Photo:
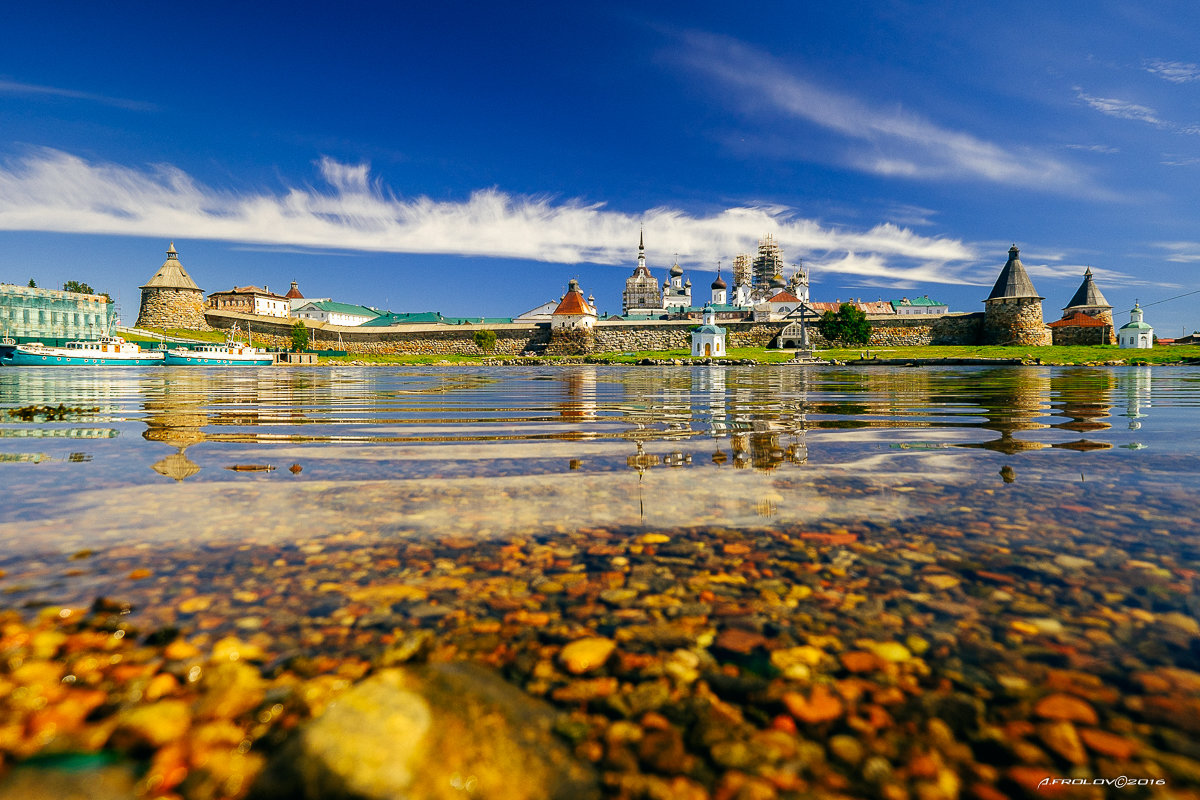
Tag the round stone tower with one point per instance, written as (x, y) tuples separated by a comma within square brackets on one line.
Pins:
[(1089, 300), (1013, 311), (171, 299)]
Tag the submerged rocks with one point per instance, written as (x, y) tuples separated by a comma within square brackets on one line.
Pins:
[(443, 731)]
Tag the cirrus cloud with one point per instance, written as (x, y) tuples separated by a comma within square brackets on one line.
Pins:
[(50, 190)]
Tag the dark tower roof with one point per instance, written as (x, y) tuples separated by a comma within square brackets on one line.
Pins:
[(718, 283), (1087, 294), (1014, 280)]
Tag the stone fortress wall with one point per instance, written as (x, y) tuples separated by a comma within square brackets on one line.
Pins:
[(1015, 321), (616, 336), (173, 308)]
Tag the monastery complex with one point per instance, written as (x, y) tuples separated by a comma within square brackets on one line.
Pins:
[(763, 303), (760, 302)]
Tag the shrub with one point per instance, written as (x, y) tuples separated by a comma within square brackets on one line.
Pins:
[(848, 325), (485, 340), (299, 336)]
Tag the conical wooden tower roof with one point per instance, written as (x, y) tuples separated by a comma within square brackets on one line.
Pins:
[(171, 275), (1014, 280), (1087, 294)]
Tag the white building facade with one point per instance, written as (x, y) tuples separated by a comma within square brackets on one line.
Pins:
[(708, 340), (1135, 334), (335, 313)]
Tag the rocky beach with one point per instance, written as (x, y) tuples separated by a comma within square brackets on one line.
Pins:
[(867, 608)]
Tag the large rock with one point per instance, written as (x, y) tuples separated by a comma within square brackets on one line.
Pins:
[(434, 733), (70, 782)]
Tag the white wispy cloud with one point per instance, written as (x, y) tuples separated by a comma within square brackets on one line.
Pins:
[(1173, 71), (1121, 109), (1094, 148), (32, 89), (50, 190), (911, 215), (883, 141), (1181, 252)]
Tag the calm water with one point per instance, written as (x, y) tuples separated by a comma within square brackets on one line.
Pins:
[(946, 550), (497, 452)]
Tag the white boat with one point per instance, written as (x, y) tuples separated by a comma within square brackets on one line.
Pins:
[(106, 351), (230, 354)]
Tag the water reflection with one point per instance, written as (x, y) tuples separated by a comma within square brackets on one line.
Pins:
[(644, 445), (176, 417)]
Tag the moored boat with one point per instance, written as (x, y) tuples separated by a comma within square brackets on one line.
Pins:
[(106, 351), (230, 354)]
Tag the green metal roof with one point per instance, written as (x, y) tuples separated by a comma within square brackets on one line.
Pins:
[(477, 320), (332, 307), (391, 318), (916, 301), (412, 318)]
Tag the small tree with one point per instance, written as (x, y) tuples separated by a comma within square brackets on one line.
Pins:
[(76, 286), (32, 283), (299, 336), (485, 340), (848, 325)]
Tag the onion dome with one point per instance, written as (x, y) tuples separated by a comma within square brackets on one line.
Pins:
[(676, 270), (718, 283)]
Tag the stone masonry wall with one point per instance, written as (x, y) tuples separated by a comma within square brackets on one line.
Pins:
[(1078, 335), (1015, 321), (511, 340), (920, 330), (606, 337), (172, 308), (571, 342)]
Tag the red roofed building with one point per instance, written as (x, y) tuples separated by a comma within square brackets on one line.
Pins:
[(251, 300), (777, 306), (1081, 328), (574, 311)]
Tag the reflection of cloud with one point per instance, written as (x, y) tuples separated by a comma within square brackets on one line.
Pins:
[(49, 190), (891, 141), (466, 507)]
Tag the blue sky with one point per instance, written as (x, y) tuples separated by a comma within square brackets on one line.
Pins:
[(471, 158)]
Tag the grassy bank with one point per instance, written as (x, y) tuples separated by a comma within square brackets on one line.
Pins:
[(1046, 355), (179, 334)]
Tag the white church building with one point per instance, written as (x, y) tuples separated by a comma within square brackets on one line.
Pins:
[(1135, 333), (708, 340)]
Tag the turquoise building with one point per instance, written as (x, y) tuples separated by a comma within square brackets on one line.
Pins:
[(53, 317)]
